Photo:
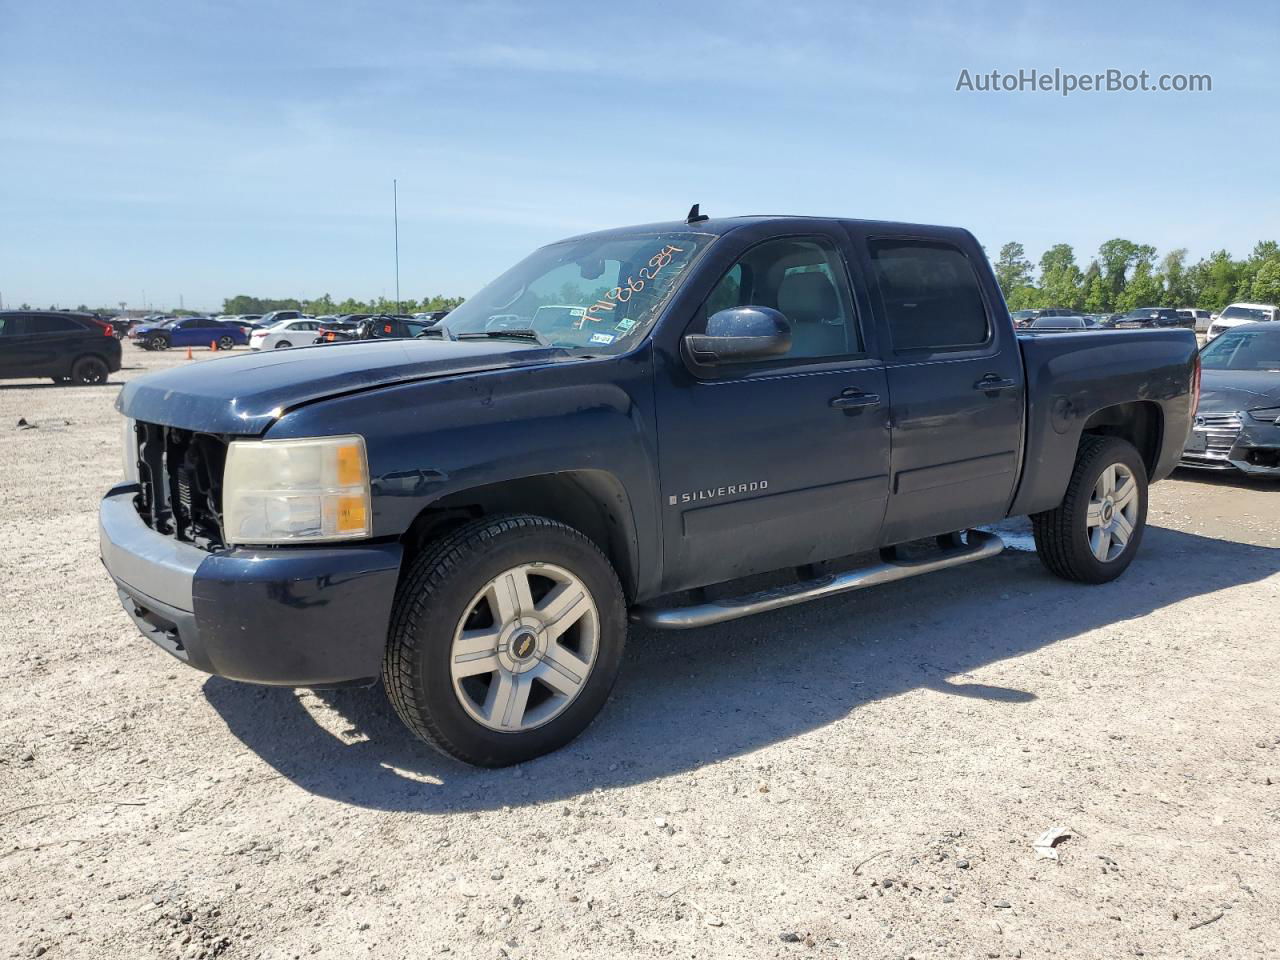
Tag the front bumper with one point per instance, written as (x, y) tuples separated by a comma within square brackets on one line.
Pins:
[(1236, 443), (296, 616)]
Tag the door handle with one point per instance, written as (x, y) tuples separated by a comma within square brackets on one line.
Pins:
[(993, 384), (854, 400)]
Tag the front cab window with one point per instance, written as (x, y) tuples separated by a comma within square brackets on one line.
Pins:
[(804, 279)]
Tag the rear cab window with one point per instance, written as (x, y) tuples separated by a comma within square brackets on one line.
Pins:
[(931, 295)]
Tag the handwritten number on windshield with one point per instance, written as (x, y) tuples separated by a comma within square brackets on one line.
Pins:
[(623, 292)]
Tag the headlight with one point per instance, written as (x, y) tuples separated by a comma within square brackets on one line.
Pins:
[(296, 491)]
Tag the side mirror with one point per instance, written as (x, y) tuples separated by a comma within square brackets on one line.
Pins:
[(740, 335)]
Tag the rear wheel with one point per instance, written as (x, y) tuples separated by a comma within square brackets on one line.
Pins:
[(226, 342), (1092, 536), (89, 371), (283, 344), (505, 640)]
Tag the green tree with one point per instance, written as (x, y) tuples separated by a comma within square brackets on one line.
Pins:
[(1218, 280), (1143, 289), (1117, 257), (1013, 269), (1178, 290), (321, 305), (1266, 283), (1097, 298), (1060, 278)]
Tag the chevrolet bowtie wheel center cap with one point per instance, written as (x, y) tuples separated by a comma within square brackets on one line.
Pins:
[(524, 645)]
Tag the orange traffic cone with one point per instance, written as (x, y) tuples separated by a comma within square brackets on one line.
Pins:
[(213, 345), (188, 353)]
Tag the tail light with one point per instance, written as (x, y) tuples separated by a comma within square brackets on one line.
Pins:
[(1195, 385), (110, 330)]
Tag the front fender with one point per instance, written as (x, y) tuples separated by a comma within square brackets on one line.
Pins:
[(436, 439)]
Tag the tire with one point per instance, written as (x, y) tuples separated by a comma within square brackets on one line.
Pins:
[(283, 344), (89, 372), (226, 343), (157, 343), (1087, 546), (448, 588)]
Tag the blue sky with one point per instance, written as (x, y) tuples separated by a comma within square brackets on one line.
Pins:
[(209, 149)]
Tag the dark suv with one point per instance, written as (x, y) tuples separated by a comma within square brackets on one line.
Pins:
[(68, 347), (1153, 317)]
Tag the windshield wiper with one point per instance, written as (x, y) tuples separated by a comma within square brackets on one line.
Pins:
[(533, 335)]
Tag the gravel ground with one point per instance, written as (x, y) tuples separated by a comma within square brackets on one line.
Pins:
[(859, 777)]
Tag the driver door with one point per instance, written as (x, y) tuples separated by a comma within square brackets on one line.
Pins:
[(781, 462)]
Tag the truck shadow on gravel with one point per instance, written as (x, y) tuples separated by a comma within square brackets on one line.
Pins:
[(685, 700)]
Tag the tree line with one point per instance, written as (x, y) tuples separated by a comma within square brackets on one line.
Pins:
[(1125, 275), (323, 305)]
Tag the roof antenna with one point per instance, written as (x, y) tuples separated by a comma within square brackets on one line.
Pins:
[(695, 216)]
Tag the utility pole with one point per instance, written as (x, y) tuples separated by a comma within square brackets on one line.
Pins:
[(395, 215)]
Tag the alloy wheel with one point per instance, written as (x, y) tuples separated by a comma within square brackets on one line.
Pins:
[(1113, 512), (524, 647)]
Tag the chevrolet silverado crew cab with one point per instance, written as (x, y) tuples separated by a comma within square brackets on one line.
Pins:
[(778, 408)]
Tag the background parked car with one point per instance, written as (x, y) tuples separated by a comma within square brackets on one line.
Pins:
[(285, 334), (1077, 322), (336, 331), (275, 316), (375, 328), (1025, 318), (69, 347), (393, 328), (1237, 422), (189, 332), (433, 316), (1239, 313), (1200, 319), (1152, 317)]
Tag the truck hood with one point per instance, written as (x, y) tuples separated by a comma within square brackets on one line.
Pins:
[(245, 394), (1225, 391)]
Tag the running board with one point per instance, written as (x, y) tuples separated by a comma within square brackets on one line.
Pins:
[(980, 545)]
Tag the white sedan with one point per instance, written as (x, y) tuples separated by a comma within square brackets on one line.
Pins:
[(286, 333)]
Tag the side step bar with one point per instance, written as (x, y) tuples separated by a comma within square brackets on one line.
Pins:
[(980, 545)]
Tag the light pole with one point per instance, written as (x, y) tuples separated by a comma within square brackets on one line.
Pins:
[(395, 216)]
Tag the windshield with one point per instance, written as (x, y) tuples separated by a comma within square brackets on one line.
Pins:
[(600, 294), (1243, 350), (1243, 313)]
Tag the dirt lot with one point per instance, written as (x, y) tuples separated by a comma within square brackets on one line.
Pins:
[(860, 777)]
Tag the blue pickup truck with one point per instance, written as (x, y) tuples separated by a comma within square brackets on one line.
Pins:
[(775, 408)]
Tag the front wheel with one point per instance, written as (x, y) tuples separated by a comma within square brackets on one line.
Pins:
[(505, 640), (157, 343), (1092, 536)]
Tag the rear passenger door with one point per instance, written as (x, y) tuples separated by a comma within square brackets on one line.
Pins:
[(956, 383)]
